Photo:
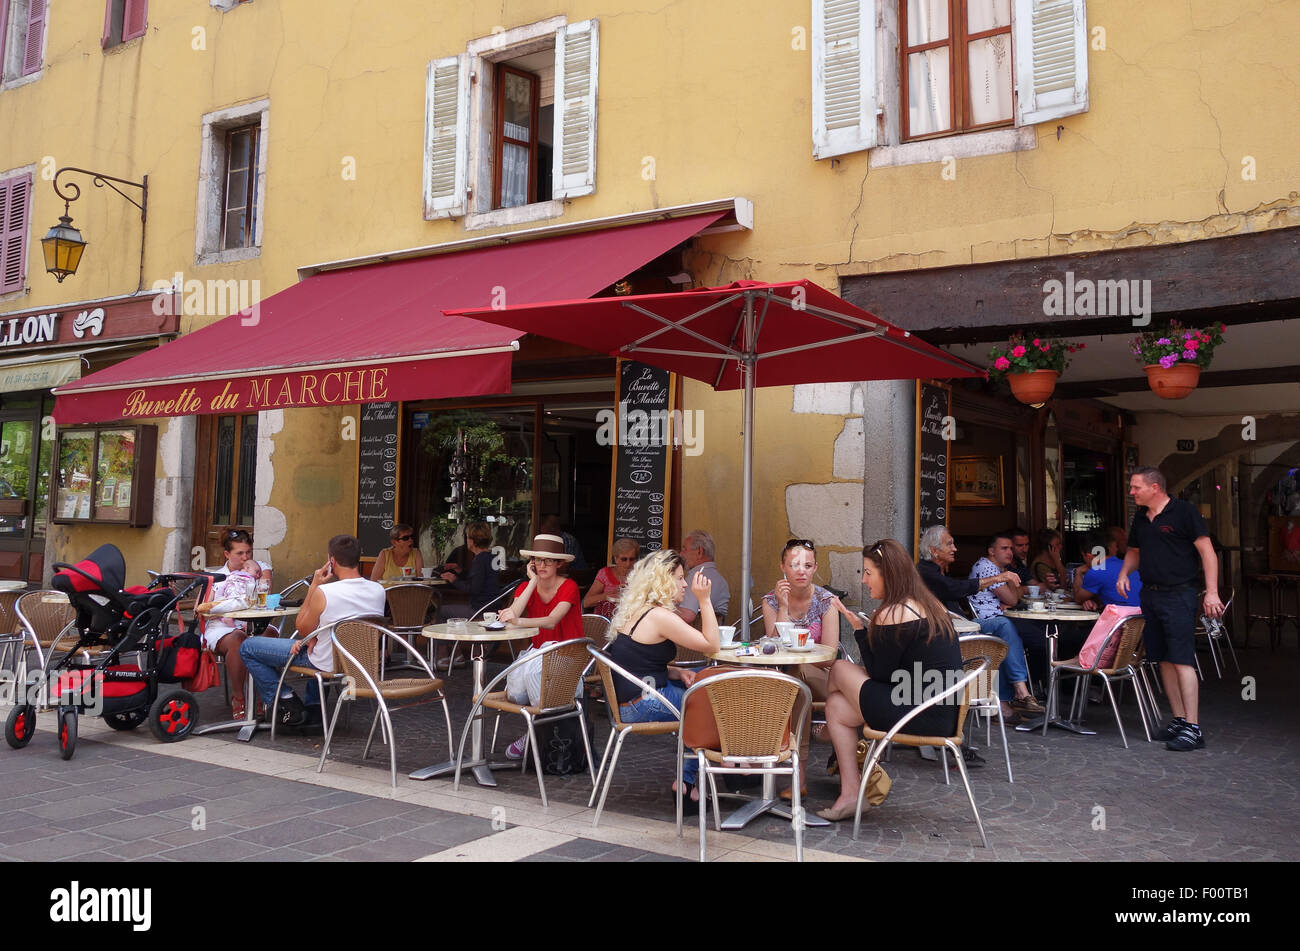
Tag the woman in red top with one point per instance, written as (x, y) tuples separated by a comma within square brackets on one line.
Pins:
[(550, 603)]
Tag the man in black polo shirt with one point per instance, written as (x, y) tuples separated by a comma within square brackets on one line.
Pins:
[(1172, 542)]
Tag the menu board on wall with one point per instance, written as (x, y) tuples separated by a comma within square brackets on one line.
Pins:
[(377, 475), (933, 413), (643, 440)]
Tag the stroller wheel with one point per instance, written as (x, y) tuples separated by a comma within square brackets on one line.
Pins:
[(173, 716), (126, 721), (67, 733), (21, 726)]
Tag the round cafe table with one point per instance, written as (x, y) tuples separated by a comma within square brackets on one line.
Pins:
[(965, 626), (258, 619), (768, 801), (1050, 619), (477, 637)]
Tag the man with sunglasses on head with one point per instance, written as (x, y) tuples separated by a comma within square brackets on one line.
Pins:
[(697, 552)]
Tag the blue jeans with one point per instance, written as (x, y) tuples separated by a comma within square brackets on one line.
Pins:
[(1013, 669), (265, 657), (648, 709)]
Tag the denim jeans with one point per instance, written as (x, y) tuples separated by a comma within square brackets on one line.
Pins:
[(265, 657), (648, 709), (1013, 669)]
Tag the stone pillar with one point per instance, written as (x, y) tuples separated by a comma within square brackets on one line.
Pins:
[(173, 505)]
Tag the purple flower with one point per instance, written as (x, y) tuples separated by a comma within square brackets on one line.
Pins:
[(1163, 341), (1189, 354), (1168, 361)]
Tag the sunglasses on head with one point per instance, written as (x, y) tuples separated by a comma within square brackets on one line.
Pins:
[(239, 535), (800, 543)]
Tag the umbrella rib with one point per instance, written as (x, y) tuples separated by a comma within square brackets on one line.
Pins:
[(678, 324), (731, 343), (817, 344), (843, 319)]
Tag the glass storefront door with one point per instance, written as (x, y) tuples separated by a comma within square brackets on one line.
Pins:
[(24, 485)]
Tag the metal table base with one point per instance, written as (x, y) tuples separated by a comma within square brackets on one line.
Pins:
[(768, 802), (477, 765)]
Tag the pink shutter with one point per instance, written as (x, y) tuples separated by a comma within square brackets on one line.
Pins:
[(108, 24), (35, 37), (14, 200), (134, 19), (4, 32)]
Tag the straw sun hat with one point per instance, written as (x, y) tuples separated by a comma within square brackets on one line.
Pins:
[(547, 546)]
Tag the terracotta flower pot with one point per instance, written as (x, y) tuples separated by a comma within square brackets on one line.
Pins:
[(1174, 383), (1033, 387)]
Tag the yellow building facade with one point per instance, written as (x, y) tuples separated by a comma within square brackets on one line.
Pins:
[(1187, 135)]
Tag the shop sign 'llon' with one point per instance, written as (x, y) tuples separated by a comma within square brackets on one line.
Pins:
[(44, 328)]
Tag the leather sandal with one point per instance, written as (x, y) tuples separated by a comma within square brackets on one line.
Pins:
[(238, 708), (788, 794)]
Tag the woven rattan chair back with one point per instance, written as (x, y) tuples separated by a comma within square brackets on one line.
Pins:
[(983, 645), (8, 616), (971, 693), (408, 604), (561, 670), (752, 714), (47, 613), (361, 639), (1130, 642), (595, 628), (609, 682), (687, 656)]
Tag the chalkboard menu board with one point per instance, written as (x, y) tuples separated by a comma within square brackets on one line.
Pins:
[(639, 491), (932, 432), (377, 475)]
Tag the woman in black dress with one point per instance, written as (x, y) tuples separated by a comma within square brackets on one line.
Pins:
[(910, 637)]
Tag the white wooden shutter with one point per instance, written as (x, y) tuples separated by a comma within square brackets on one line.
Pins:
[(844, 76), (446, 137), (576, 66), (1050, 38)]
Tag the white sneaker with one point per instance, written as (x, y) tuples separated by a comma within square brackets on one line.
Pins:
[(516, 749)]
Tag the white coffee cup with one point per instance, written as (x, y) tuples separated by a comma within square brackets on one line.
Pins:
[(1035, 590), (798, 634), (785, 630), (727, 633), (1037, 606), (489, 617)]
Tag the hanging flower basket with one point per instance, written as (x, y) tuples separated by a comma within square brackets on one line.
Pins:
[(1031, 365), (1173, 357), (1033, 387), (1174, 382)]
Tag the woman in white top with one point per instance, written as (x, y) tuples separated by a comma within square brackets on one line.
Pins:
[(236, 592)]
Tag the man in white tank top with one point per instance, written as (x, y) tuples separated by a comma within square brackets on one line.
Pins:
[(327, 602)]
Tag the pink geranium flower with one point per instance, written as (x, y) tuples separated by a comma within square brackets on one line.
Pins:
[(1018, 351), (1001, 363)]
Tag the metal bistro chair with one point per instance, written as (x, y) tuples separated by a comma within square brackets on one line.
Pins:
[(607, 672), (595, 628), (1216, 634), (758, 734), (563, 663), (983, 695), (323, 678), (1125, 666), (12, 638), (359, 649), (975, 667), (47, 617), (408, 605)]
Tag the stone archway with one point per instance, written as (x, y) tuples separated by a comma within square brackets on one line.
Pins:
[(1269, 430)]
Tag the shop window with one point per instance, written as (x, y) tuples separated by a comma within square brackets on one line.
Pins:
[(232, 179), (124, 20), (887, 72), (22, 38), (15, 210), (105, 474), (234, 473), (511, 124)]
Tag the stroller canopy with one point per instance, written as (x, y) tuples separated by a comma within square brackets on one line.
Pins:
[(105, 565)]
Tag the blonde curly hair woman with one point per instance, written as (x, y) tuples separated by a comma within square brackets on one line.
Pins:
[(644, 635)]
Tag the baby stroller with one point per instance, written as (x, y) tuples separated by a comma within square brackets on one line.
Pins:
[(117, 621)]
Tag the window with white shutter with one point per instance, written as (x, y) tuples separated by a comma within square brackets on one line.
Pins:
[(511, 124), (1051, 49), (15, 212), (844, 76)]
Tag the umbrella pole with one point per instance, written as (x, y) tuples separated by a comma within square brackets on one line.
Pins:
[(747, 470)]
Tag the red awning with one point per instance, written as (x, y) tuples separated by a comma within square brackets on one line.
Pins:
[(369, 334)]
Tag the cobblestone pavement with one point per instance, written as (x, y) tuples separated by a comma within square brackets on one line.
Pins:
[(1074, 797)]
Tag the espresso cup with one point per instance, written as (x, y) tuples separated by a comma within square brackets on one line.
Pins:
[(489, 617), (1037, 606), (799, 637), (727, 633), (786, 631)]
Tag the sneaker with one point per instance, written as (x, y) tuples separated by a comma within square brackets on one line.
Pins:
[(1188, 737), (516, 749), (972, 757), (1027, 706), (290, 712), (1171, 729)]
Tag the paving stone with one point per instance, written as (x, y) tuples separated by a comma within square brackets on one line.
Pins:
[(219, 849), (52, 848), (287, 832), (141, 827)]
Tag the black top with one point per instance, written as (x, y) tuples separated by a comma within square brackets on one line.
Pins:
[(649, 662), (898, 654), (1022, 569), (1168, 544), (481, 583), (950, 591)]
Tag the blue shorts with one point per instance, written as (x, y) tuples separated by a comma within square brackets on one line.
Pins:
[(1170, 633)]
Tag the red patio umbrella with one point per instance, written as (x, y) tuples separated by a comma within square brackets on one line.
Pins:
[(743, 335)]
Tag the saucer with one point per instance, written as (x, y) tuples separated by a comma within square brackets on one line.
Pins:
[(729, 647), (498, 626), (810, 646)]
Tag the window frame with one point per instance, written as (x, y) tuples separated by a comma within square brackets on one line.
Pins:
[(116, 18), (957, 43), (22, 73), (210, 225), (253, 130), (499, 138)]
